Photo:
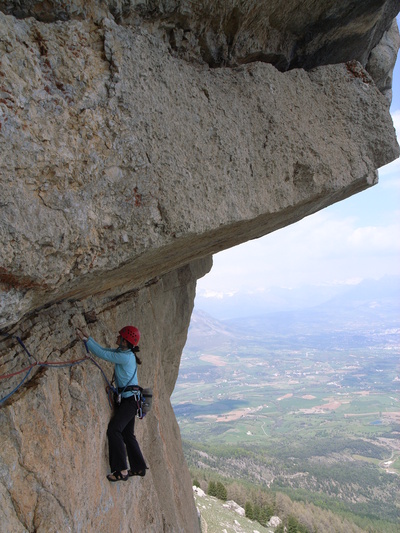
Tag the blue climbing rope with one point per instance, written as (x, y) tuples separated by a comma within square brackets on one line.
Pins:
[(5, 398)]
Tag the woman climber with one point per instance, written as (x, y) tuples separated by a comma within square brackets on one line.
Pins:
[(120, 431)]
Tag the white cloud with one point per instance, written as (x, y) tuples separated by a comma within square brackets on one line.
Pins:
[(375, 240), (216, 295), (321, 249)]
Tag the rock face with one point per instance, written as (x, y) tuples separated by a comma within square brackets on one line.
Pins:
[(137, 139), (53, 432)]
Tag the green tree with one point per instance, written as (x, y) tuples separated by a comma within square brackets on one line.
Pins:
[(196, 483), (269, 511), (212, 489), (292, 525), (264, 515), (256, 512), (248, 510), (221, 491)]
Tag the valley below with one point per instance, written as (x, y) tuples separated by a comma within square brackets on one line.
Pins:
[(304, 402)]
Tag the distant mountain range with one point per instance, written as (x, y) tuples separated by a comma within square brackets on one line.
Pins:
[(278, 299), (364, 314)]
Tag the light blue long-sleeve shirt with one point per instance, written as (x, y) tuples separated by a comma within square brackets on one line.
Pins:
[(124, 364)]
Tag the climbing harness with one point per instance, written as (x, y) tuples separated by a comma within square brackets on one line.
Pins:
[(143, 397)]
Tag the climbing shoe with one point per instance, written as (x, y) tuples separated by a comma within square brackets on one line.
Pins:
[(117, 476), (140, 473)]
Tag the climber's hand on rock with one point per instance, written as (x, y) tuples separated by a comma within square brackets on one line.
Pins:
[(82, 335)]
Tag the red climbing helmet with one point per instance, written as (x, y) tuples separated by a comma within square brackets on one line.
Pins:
[(130, 334)]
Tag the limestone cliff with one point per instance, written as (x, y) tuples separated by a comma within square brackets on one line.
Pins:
[(137, 139)]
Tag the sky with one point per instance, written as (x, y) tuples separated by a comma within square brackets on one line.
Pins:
[(356, 239)]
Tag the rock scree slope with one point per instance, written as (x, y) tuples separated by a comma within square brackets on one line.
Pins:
[(137, 139)]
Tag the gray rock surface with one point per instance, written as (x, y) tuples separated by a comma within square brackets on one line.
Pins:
[(137, 139), (121, 162)]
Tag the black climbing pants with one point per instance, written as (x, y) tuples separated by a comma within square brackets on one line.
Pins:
[(121, 438)]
